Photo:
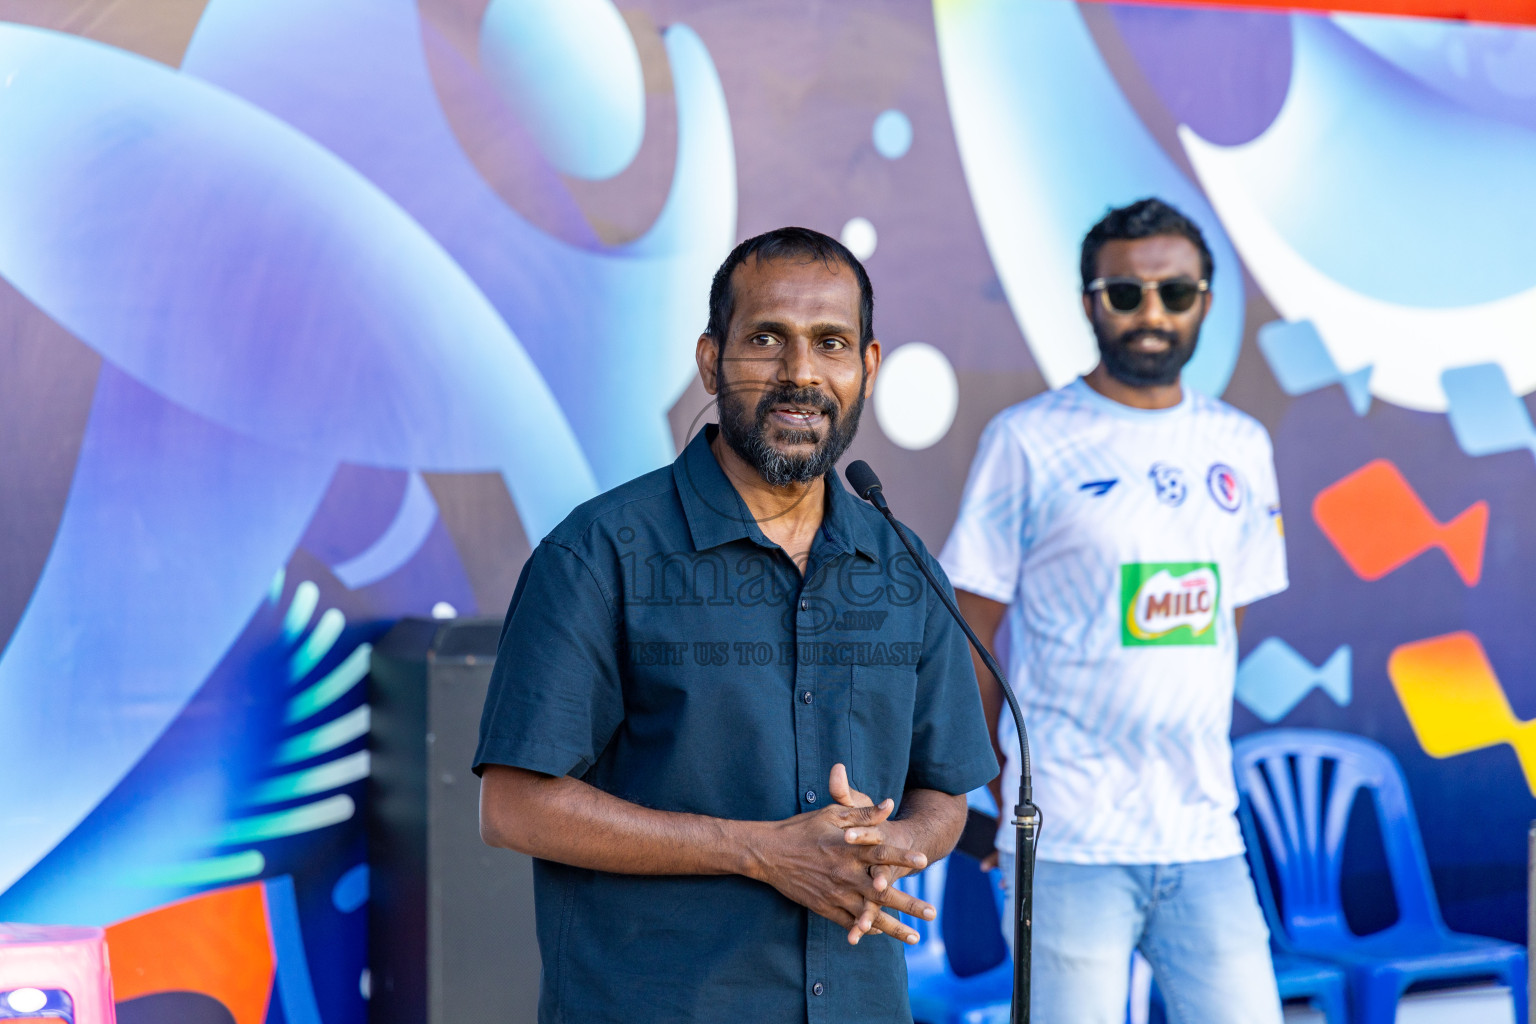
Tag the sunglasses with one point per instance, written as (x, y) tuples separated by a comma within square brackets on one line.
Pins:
[(1125, 294)]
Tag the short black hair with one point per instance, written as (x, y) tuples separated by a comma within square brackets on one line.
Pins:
[(1145, 218), (803, 245)]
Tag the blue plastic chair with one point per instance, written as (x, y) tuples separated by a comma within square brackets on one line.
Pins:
[(1303, 811), (960, 964), (1298, 977)]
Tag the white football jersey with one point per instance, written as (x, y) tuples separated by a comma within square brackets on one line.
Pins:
[(1122, 539)]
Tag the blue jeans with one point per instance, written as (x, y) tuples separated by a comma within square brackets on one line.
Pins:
[(1198, 924)]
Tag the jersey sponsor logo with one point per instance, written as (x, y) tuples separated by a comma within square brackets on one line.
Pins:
[(1224, 487), (1169, 603), (1099, 488), (1169, 482), (1274, 513)]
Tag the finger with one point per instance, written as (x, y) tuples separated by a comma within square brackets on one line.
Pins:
[(895, 899), (990, 862), (865, 835), (843, 792), (895, 929), (885, 853), (864, 922), (883, 876), (837, 785), (848, 817)]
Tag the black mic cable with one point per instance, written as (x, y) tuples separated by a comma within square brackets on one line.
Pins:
[(1026, 816)]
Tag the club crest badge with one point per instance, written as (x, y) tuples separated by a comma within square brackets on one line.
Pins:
[(1169, 482), (1226, 490)]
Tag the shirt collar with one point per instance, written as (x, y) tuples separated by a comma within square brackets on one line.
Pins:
[(717, 515)]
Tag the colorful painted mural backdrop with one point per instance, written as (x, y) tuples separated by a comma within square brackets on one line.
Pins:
[(314, 312)]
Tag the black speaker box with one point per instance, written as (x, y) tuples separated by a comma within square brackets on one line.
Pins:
[(450, 930)]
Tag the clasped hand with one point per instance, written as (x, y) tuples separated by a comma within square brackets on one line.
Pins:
[(842, 861)]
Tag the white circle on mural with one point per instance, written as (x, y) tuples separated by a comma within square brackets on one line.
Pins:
[(860, 238), (916, 396)]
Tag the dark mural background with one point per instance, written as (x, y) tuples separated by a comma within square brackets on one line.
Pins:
[(313, 314)]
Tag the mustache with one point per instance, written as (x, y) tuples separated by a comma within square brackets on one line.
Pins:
[(811, 398)]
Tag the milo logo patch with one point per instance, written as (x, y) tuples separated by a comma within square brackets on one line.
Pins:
[(1168, 603)]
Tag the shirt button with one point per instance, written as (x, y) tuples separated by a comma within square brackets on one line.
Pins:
[(802, 605), (818, 988), (806, 696), (810, 796)]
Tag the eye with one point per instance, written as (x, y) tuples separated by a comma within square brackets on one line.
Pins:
[(833, 344), (762, 339)]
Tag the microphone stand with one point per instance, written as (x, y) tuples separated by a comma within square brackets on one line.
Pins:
[(1026, 816)]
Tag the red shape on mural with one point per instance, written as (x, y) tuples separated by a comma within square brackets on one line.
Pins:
[(1515, 12), (215, 943), (1377, 522)]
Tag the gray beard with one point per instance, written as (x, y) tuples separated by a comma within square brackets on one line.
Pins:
[(749, 439)]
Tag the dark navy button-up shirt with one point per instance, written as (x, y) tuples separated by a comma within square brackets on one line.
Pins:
[(661, 648)]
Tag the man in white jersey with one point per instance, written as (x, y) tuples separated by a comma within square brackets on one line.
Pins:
[(1116, 528)]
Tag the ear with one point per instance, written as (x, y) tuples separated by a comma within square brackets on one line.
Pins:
[(871, 366), (707, 354), (1088, 306)]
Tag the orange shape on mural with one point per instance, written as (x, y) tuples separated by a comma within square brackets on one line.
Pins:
[(216, 943), (1377, 522), (1455, 702)]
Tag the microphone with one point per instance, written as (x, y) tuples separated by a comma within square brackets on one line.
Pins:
[(1026, 816)]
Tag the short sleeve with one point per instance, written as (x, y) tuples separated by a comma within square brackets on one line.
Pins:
[(985, 550), (951, 745), (1259, 566), (556, 694)]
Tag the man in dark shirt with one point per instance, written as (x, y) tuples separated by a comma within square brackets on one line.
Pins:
[(704, 671)]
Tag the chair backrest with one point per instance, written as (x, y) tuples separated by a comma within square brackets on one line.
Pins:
[(1299, 785), (971, 923), (928, 886)]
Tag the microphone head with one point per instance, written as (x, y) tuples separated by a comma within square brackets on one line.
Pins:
[(862, 479)]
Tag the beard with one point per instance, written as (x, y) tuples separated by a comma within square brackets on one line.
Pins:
[(1145, 369), (746, 431)]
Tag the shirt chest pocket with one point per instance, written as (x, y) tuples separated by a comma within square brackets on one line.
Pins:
[(881, 703)]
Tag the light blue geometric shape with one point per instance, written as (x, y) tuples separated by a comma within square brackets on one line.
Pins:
[(1487, 68), (1374, 143), (306, 598), (285, 296), (295, 989), (317, 645), (336, 684), (570, 70), (892, 134), (163, 554), (1049, 143), (1301, 362), (1486, 416), (353, 75), (1357, 387), (1273, 679), (351, 889), (401, 540)]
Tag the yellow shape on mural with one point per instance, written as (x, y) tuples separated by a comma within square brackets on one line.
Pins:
[(1455, 702)]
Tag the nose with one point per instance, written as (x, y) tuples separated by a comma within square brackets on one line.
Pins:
[(798, 366), (1152, 312)]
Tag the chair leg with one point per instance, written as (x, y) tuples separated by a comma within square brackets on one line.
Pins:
[(1375, 996), (1515, 976)]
